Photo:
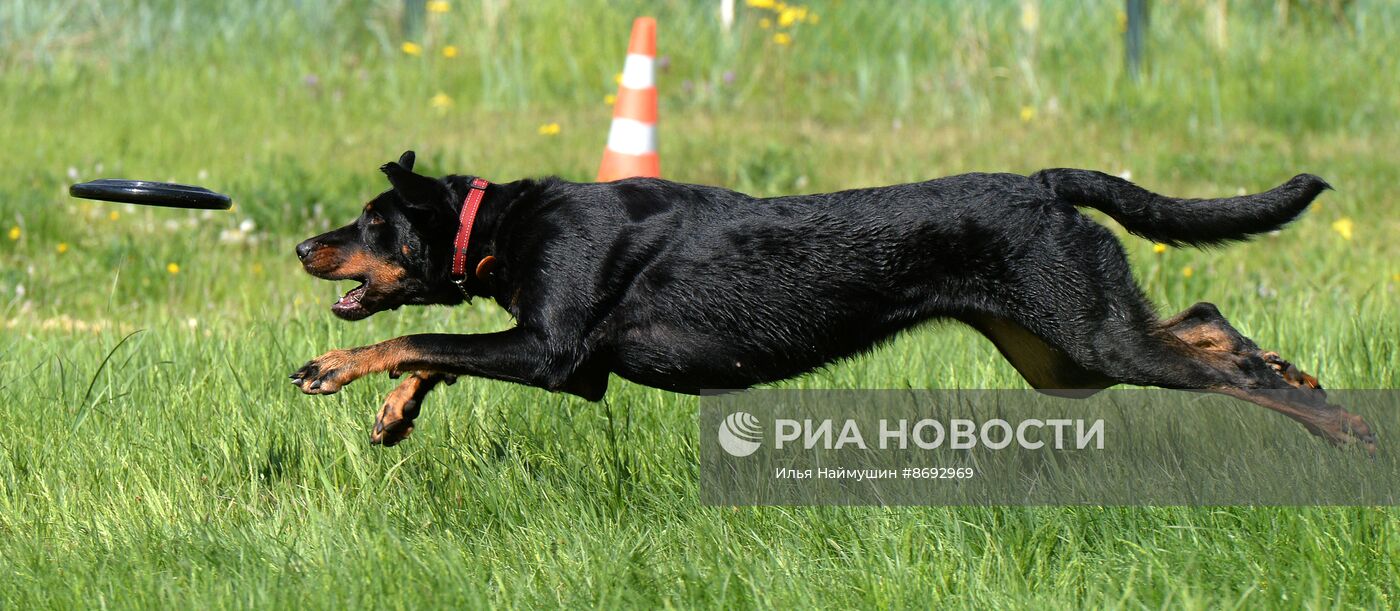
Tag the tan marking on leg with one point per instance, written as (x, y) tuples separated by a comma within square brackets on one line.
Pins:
[(1228, 346), (329, 372), (394, 422), (1216, 343)]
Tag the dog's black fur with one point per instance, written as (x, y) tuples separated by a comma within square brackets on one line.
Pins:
[(687, 287)]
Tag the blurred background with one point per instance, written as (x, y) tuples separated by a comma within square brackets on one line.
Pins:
[(177, 468), (290, 107)]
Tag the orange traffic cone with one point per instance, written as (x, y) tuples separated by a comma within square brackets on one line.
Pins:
[(631, 147)]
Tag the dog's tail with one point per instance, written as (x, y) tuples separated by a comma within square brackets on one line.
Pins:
[(1174, 221)]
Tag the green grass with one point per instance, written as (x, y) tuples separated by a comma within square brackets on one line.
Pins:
[(180, 469)]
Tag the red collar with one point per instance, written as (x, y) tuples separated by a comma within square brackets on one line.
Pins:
[(464, 231)]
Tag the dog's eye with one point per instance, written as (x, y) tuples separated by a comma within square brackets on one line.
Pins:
[(375, 219)]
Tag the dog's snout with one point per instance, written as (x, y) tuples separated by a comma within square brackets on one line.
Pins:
[(304, 249)]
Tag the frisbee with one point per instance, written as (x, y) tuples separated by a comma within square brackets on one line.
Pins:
[(146, 193)]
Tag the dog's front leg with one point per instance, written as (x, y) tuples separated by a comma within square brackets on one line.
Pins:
[(394, 422), (327, 373), (517, 355)]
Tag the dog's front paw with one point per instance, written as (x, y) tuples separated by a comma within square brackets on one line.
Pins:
[(326, 374), (394, 422)]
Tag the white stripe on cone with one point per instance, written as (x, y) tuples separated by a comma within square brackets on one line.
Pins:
[(631, 137), (638, 72)]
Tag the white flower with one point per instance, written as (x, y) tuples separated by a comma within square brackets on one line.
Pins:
[(72, 173), (19, 290), (1126, 174), (247, 226)]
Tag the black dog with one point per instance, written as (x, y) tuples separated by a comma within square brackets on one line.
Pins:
[(687, 288)]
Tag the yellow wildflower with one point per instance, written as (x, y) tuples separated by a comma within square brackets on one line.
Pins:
[(449, 51), (441, 101), (760, 3), (1027, 113), (113, 215), (1343, 227), (1159, 248), (439, 6), (172, 267), (14, 233), (549, 129), (257, 268), (62, 247), (610, 99), (765, 23), (412, 48), (1187, 272), (1030, 16), (1122, 21), (787, 17), (617, 78), (782, 38), (1395, 277)]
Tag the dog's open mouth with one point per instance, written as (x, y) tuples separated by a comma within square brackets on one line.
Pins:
[(349, 306)]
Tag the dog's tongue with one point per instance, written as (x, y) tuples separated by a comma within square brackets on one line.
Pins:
[(348, 306)]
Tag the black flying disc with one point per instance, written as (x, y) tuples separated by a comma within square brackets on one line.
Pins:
[(148, 193)]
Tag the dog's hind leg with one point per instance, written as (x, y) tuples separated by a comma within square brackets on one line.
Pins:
[(1084, 304), (1199, 349), (394, 422), (1203, 326)]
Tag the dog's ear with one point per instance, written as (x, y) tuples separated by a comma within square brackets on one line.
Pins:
[(415, 189)]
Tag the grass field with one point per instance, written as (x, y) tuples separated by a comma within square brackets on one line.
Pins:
[(153, 453)]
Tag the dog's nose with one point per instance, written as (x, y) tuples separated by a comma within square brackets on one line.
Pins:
[(304, 249)]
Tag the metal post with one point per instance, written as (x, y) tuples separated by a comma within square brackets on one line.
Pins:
[(1134, 36), (414, 14)]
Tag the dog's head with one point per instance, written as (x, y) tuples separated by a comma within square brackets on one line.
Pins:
[(399, 249)]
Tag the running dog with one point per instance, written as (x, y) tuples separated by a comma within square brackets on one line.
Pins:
[(690, 288)]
